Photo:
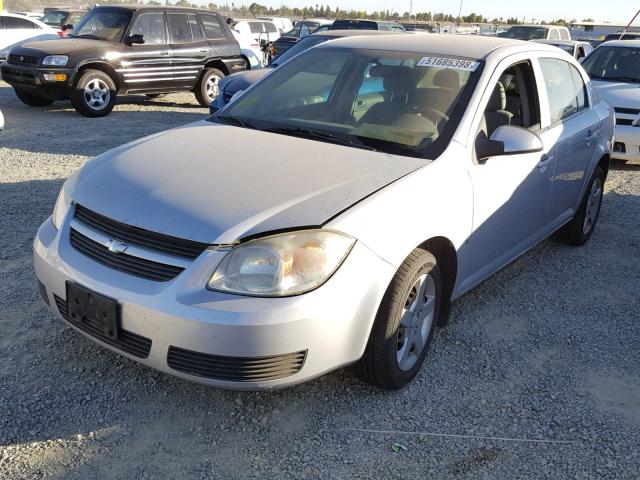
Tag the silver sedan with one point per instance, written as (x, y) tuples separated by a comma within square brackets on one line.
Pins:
[(331, 214)]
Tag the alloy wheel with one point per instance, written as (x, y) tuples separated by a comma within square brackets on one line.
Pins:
[(97, 94)]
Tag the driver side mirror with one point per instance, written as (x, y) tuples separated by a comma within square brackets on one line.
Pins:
[(134, 39), (508, 140)]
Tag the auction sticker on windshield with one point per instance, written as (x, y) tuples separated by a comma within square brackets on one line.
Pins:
[(444, 62)]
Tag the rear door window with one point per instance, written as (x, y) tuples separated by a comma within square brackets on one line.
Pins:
[(184, 28), (255, 27), (270, 27), (553, 34), (13, 23), (212, 27), (564, 97)]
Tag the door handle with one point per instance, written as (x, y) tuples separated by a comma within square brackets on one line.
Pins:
[(204, 50), (545, 160), (590, 136), (164, 53)]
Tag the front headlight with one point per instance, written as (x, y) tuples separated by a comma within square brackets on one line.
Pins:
[(282, 265), (55, 60), (62, 203)]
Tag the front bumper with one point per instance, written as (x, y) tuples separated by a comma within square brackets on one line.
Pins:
[(629, 136), (330, 325), (32, 79)]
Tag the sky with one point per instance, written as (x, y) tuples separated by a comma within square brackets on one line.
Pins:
[(611, 10)]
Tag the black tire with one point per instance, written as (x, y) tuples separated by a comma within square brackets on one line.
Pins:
[(578, 231), (379, 365), (153, 96), (33, 100), (203, 94), (88, 105)]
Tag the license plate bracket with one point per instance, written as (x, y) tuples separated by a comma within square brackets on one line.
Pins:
[(92, 309)]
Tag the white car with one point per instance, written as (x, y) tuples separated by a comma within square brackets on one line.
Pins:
[(614, 68), (250, 51), (282, 24), (15, 28), (578, 50), (254, 32), (329, 215), (537, 32)]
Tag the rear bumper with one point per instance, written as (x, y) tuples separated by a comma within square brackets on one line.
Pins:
[(32, 79), (627, 136)]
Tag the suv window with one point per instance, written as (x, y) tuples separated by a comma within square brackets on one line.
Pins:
[(255, 27), (212, 28), (270, 27), (565, 97), (104, 23), (553, 34), (184, 28), (152, 27), (564, 34), (15, 23)]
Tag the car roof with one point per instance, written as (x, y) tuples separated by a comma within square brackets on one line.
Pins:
[(351, 33), (155, 7), (623, 43), (437, 44)]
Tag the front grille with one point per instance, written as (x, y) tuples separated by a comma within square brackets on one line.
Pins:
[(123, 262), (128, 342), (235, 369), (628, 111), (43, 292), (624, 121), (138, 236), (23, 59), (14, 75)]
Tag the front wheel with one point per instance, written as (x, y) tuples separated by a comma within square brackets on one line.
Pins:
[(32, 100), (404, 324), (580, 228), (209, 87), (95, 94)]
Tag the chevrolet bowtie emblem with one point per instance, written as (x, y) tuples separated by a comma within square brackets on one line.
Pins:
[(116, 246), (21, 59)]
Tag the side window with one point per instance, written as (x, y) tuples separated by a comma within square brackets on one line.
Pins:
[(270, 27), (561, 90), (305, 31), (553, 34), (255, 27), (180, 28), (152, 28), (212, 28), (16, 23), (581, 89), (196, 31), (564, 34)]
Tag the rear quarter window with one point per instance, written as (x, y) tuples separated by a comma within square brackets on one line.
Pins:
[(212, 28)]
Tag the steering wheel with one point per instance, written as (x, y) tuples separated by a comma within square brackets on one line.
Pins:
[(436, 116)]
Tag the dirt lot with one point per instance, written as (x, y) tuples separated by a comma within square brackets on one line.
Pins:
[(537, 376)]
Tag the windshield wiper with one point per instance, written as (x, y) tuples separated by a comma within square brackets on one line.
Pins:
[(322, 136), (88, 35), (622, 79), (230, 119)]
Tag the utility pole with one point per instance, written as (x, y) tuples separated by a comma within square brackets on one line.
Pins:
[(460, 11), (410, 8)]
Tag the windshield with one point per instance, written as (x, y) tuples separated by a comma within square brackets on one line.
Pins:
[(525, 33), (300, 47), (104, 24), (353, 25), (397, 102), (620, 64)]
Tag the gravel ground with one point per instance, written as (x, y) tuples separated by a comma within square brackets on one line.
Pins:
[(537, 375)]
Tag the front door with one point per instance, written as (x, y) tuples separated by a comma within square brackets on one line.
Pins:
[(147, 66), (189, 46), (511, 192)]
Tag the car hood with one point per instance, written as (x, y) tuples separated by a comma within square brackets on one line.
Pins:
[(61, 46), (619, 94), (217, 184)]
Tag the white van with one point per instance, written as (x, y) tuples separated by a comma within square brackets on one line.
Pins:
[(281, 23), (253, 32)]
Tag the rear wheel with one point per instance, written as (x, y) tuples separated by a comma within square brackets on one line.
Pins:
[(33, 100), (580, 228), (94, 94), (404, 324), (209, 87)]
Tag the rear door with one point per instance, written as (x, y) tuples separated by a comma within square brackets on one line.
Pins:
[(189, 46), (573, 125), (147, 66)]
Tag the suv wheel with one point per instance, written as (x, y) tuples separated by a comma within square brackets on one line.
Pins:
[(33, 100), (209, 87), (94, 94)]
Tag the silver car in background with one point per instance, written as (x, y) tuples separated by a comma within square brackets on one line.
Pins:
[(331, 214)]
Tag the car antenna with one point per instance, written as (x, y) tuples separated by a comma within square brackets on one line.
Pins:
[(627, 27)]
